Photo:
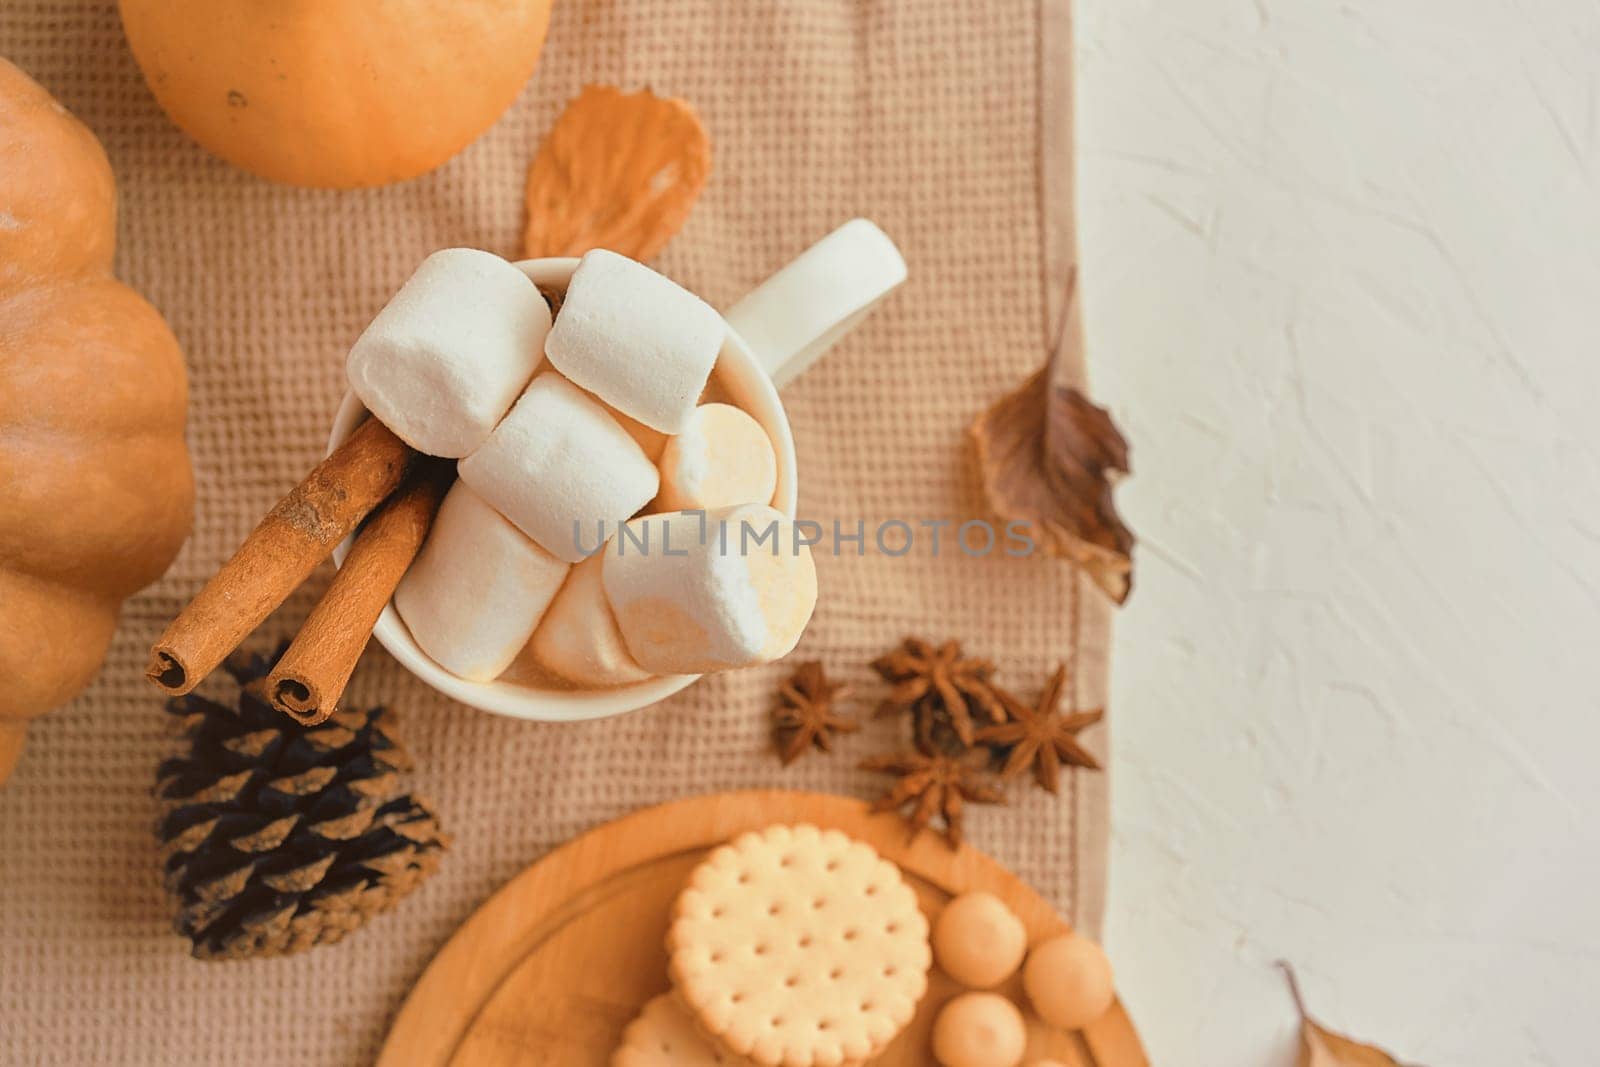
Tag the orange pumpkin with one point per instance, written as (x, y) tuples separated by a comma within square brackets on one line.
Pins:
[(95, 487), (336, 94)]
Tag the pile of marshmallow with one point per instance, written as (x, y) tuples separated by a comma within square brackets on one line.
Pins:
[(596, 533)]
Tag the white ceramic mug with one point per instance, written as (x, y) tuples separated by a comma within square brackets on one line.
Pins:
[(774, 334)]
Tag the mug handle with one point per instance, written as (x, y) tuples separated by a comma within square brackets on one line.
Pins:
[(807, 307)]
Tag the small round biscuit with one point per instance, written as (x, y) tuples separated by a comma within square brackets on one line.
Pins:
[(799, 947), (978, 941), (979, 1030), (1068, 980), (664, 1035)]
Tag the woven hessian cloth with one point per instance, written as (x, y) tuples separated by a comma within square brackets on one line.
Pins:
[(924, 117)]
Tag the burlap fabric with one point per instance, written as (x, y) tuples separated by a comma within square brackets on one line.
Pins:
[(932, 119)]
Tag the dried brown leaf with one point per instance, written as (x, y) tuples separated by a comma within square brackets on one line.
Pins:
[(1321, 1047), (617, 170), (1049, 457)]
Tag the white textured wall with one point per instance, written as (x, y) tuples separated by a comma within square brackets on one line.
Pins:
[(1343, 292)]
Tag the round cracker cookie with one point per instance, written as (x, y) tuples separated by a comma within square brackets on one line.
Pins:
[(799, 947), (664, 1035)]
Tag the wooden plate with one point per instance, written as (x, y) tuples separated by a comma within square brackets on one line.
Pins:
[(554, 966)]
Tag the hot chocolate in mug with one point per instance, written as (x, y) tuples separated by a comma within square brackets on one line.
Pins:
[(774, 334)]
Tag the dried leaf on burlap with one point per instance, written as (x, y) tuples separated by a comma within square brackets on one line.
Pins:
[(619, 171), (1321, 1047), (1050, 458)]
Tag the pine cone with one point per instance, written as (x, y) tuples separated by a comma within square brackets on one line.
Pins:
[(277, 838)]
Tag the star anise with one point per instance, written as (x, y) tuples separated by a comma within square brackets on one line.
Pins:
[(1042, 737), (806, 718), (933, 730), (929, 680), (932, 785)]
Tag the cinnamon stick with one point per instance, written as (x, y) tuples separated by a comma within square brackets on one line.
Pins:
[(280, 553), (311, 675)]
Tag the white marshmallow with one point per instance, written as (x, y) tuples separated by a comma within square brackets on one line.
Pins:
[(558, 466), (723, 457), (578, 641), (635, 339), (688, 603), (653, 442), (477, 590), (447, 357)]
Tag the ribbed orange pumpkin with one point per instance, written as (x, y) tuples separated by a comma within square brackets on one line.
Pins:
[(336, 93), (95, 487)]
